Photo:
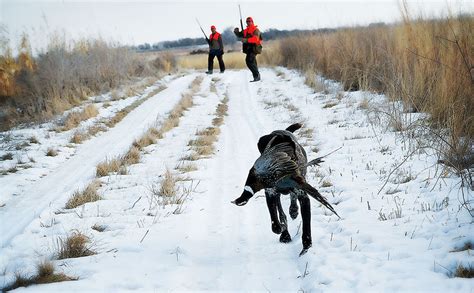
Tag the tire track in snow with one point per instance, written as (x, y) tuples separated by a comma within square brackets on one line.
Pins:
[(247, 239), (53, 190)]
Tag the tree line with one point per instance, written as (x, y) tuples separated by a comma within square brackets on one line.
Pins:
[(228, 38)]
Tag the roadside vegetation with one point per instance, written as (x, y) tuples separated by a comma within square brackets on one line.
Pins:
[(425, 64), (421, 65), (35, 88)]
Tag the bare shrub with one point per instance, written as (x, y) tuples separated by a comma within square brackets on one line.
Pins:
[(64, 76), (89, 194), (74, 245), (75, 118)]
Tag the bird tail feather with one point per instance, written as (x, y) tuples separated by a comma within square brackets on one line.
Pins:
[(314, 193)]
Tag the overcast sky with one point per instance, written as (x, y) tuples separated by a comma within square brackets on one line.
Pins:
[(136, 22)]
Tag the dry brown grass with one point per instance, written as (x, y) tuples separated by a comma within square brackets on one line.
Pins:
[(203, 140), (233, 60), (464, 271), (46, 85), (74, 245), (168, 184), (326, 183), (203, 145), (109, 166), (193, 156), (33, 139), (177, 112), (131, 157), (89, 194), (50, 152), (218, 121), (424, 63), (122, 113), (222, 110), (214, 131), (204, 151), (75, 118), (186, 167), (145, 140), (45, 274), (78, 137)]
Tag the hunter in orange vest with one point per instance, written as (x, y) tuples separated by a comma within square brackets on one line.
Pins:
[(251, 45), (216, 49)]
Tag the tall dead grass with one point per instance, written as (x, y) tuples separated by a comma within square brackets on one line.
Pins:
[(233, 60), (65, 74), (426, 64)]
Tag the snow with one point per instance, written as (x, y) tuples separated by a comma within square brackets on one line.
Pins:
[(400, 237)]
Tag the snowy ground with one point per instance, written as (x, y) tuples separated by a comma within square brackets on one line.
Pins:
[(403, 236)]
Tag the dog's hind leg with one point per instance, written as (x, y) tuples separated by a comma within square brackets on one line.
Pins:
[(306, 216), (273, 199)]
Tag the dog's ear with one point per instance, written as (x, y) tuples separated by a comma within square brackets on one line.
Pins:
[(263, 142)]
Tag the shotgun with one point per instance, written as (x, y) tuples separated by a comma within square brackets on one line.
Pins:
[(241, 23), (207, 39)]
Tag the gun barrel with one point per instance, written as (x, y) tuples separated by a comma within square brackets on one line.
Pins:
[(202, 29), (241, 23)]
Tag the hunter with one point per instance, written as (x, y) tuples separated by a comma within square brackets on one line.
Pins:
[(251, 45), (216, 49)]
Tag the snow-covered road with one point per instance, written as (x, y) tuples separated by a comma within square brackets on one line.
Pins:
[(400, 239)]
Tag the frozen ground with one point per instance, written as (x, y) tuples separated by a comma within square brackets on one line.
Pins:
[(402, 237)]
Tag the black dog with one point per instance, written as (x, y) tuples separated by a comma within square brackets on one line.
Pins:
[(281, 169)]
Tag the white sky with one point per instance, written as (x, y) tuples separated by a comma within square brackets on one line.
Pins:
[(136, 22)]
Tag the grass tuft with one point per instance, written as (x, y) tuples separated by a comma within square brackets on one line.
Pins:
[(51, 152), (45, 274), (464, 271), (168, 184), (108, 166), (73, 246), (89, 194)]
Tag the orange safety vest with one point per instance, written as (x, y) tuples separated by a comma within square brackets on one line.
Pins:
[(214, 36), (252, 39)]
